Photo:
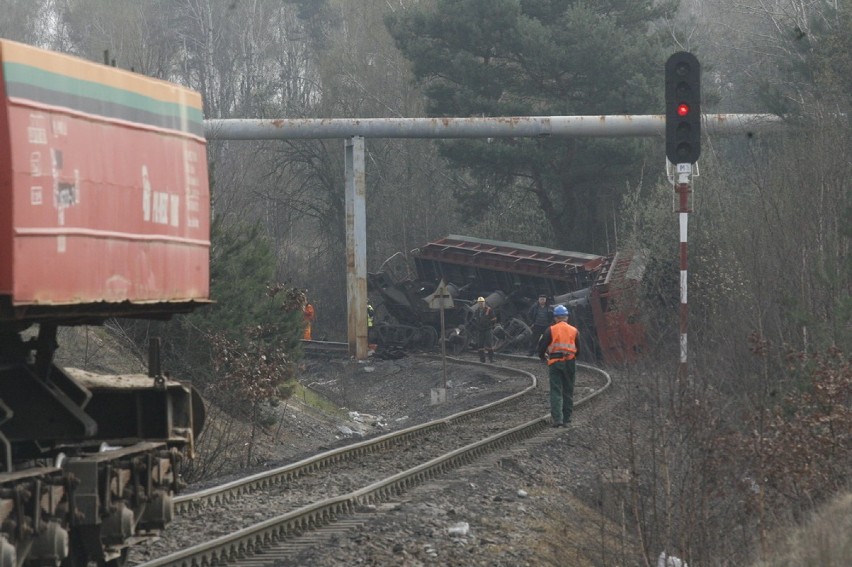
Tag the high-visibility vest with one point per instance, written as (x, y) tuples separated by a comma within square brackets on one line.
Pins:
[(563, 342)]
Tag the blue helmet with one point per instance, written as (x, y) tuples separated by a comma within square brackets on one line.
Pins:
[(560, 311)]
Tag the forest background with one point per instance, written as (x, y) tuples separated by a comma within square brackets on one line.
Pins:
[(759, 435)]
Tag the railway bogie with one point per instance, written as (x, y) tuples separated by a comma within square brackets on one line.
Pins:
[(121, 494)]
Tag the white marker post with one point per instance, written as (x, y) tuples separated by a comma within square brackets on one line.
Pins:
[(441, 299)]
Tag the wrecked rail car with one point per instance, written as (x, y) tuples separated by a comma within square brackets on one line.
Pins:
[(510, 276)]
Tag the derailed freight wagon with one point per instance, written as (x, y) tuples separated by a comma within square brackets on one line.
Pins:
[(104, 212), (510, 276)]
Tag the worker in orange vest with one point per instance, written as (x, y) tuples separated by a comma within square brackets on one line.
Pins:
[(559, 346), (308, 312)]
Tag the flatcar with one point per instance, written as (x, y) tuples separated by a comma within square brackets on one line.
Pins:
[(104, 212)]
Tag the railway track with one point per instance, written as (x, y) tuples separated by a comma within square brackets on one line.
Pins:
[(325, 348), (264, 517)]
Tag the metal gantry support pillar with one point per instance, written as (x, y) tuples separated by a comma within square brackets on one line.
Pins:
[(356, 246)]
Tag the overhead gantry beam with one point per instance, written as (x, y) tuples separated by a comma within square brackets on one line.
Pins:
[(479, 127)]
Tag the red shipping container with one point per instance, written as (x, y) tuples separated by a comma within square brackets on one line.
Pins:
[(104, 196)]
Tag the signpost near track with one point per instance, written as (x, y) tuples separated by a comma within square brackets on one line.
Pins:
[(441, 299)]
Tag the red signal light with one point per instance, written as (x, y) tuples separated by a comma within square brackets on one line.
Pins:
[(682, 109)]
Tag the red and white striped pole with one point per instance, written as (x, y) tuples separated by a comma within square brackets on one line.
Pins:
[(683, 190)]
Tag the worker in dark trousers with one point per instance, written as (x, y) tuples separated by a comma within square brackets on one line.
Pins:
[(483, 322), (559, 346), (540, 316)]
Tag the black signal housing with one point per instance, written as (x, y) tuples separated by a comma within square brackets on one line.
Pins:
[(683, 108)]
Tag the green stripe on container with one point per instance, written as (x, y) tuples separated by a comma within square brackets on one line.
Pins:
[(78, 94)]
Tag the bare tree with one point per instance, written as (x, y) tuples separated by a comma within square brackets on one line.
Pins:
[(25, 21)]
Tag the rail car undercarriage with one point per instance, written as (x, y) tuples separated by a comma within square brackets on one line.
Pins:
[(88, 463)]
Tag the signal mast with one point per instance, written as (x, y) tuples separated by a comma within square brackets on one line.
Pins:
[(683, 146)]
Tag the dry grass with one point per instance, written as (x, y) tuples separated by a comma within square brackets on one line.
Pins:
[(577, 533), (824, 540), (574, 534)]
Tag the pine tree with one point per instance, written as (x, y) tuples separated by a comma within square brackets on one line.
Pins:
[(539, 58)]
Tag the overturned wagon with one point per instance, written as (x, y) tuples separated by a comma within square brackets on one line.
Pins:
[(510, 276)]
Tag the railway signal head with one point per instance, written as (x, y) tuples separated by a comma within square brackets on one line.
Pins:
[(683, 108)]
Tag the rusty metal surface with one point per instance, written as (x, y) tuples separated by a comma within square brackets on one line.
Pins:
[(598, 289), (507, 266), (135, 407), (511, 257), (620, 333)]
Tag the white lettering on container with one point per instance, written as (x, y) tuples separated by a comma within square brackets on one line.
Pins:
[(174, 210), (35, 164), (37, 129), (66, 192), (146, 194), (159, 207), (191, 184), (60, 126), (160, 212)]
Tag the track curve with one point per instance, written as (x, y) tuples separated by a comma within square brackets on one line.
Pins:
[(332, 486)]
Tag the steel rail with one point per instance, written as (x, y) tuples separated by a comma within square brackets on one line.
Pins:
[(253, 540), (314, 347), (228, 492)]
